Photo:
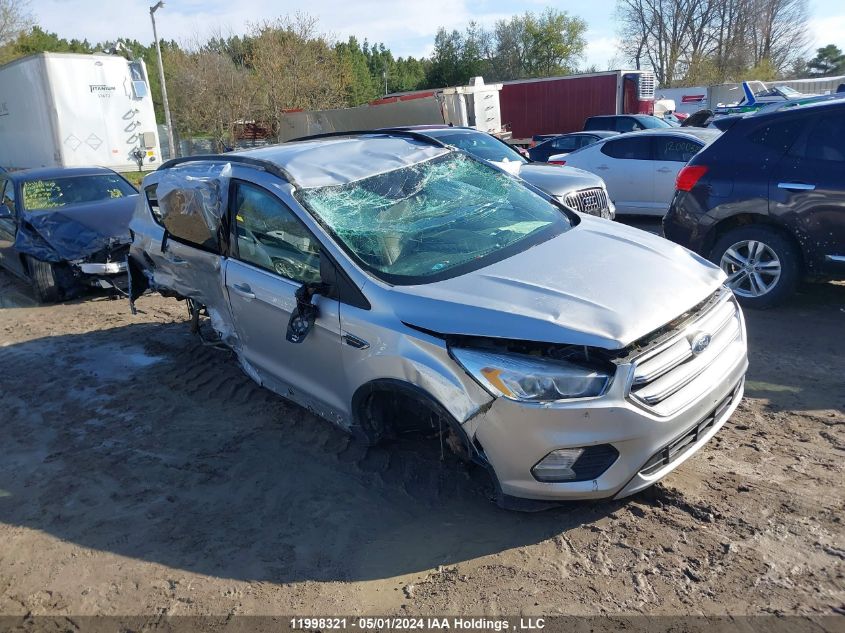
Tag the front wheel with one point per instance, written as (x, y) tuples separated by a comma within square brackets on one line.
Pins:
[(42, 275), (762, 265)]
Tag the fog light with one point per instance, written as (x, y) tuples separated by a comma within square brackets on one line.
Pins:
[(575, 464), (557, 465)]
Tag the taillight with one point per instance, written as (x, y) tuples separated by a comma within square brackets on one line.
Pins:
[(689, 176), (557, 162)]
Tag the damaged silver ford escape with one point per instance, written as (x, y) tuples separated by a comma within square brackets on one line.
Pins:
[(389, 282)]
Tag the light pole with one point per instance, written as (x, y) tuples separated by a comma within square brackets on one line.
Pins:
[(158, 5)]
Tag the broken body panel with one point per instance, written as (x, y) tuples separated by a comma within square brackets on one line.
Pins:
[(591, 292), (75, 233)]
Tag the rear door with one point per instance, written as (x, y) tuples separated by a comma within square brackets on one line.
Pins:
[(626, 167), (807, 190), (273, 254), (671, 153), (8, 228)]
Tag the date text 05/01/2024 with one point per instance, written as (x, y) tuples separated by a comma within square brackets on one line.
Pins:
[(415, 624)]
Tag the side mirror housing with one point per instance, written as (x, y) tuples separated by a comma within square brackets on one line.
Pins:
[(305, 313), (5, 212)]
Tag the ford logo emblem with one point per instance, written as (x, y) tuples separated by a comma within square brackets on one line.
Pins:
[(699, 343)]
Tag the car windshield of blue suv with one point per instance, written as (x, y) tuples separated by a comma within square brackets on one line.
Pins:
[(436, 219)]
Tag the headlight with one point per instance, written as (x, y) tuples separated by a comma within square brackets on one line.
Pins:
[(529, 379)]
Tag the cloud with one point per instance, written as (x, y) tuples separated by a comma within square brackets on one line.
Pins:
[(602, 51), (395, 23), (828, 30)]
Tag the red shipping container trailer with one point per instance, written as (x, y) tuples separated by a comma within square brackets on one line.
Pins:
[(556, 105)]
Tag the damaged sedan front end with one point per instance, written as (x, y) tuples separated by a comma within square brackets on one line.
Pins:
[(391, 284), (66, 229)]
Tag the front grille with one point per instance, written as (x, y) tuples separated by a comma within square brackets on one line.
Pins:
[(682, 443), (115, 252), (592, 201), (666, 379)]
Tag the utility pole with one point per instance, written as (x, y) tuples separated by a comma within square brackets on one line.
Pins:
[(170, 144)]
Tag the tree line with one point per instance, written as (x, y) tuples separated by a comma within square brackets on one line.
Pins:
[(219, 84)]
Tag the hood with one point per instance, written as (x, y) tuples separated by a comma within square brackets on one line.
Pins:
[(75, 232), (553, 179), (600, 284)]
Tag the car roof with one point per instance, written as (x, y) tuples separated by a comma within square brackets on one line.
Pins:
[(799, 105), (43, 173), (436, 130), (600, 133), (702, 134), (342, 158), (616, 116)]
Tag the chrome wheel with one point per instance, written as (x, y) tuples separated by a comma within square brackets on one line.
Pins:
[(752, 267)]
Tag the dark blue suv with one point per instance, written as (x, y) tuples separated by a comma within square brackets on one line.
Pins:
[(766, 201)]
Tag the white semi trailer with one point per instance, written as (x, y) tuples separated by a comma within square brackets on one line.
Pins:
[(474, 105), (69, 110)]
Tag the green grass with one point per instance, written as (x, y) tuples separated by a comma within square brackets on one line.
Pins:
[(135, 177)]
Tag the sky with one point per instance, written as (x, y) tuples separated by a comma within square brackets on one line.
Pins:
[(407, 27)]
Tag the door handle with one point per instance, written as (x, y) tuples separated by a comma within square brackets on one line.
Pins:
[(796, 186), (354, 341), (664, 170), (176, 261), (243, 290), (602, 167)]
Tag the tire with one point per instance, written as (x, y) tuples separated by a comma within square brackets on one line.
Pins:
[(762, 264), (42, 275), (374, 426)]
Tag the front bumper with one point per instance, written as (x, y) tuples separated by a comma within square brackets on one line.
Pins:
[(104, 268), (516, 436)]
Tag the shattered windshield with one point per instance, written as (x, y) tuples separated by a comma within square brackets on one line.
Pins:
[(434, 220), (52, 193)]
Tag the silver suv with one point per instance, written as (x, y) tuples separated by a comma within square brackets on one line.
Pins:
[(389, 283)]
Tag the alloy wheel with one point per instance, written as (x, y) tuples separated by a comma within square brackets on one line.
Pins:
[(752, 267)]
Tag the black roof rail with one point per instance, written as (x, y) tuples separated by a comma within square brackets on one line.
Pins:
[(417, 136), (248, 161)]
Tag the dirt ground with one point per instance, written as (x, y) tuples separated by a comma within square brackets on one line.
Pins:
[(143, 473)]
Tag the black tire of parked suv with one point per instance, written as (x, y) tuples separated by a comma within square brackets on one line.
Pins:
[(786, 252), (44, 280)]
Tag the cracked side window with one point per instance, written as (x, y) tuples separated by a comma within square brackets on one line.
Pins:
[(270, 236)]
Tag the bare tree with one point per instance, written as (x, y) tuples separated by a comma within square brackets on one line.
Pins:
[(658, 31), (779, 32), (710, 41), (15, 18)]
